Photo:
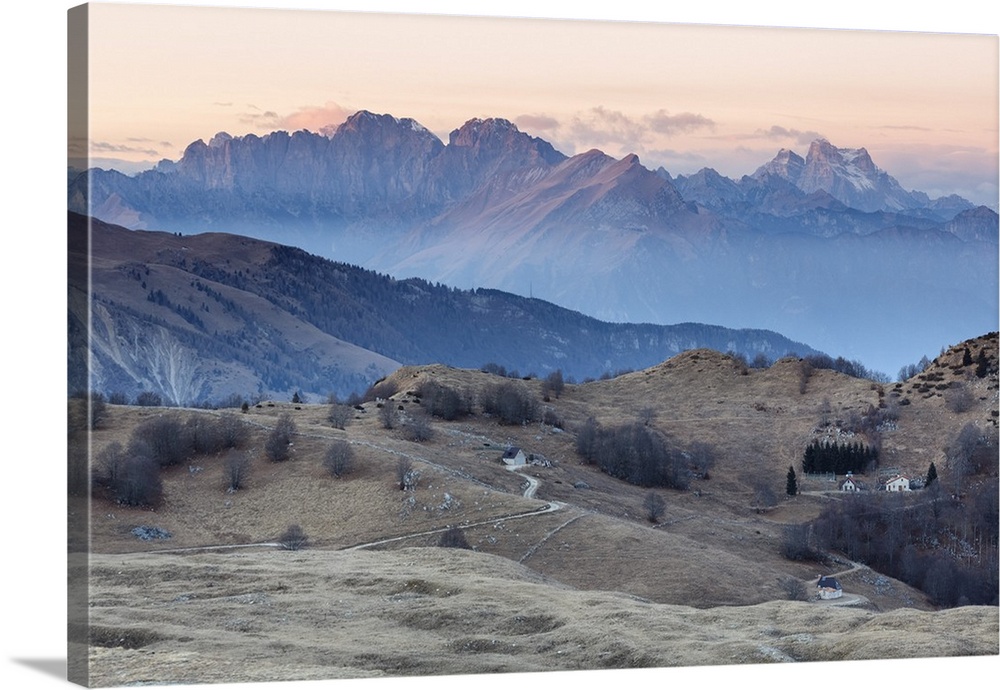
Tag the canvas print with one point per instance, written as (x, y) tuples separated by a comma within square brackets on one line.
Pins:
[(410, 345)]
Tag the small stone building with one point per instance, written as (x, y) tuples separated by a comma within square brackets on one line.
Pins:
[(829, 588), (514, 456)]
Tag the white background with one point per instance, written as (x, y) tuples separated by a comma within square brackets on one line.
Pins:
[(32, 241)]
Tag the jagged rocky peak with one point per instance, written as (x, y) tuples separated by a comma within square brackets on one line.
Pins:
[(364, 122), (787, 165), (478, 130), (220, 140), (822, 151), (499, 136)]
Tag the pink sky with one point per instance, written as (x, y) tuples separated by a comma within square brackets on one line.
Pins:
[(680, 96)]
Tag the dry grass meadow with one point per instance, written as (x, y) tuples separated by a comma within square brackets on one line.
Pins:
[(572, 578)]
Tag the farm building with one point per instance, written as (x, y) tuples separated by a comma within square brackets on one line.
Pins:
[(850, 483), (514, 456), (829, 588), (897, 483)]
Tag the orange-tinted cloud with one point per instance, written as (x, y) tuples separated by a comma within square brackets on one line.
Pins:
[(323, 119), (542, 123)]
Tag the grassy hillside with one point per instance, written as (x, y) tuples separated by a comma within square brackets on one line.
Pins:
[(560, 550)]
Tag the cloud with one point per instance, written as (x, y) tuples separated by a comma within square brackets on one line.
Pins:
[(601, 126), (267, 121), (542, 123), (944, 169), (664, 123), (324, 118), (804, 137), (106, 147), (910, 128)]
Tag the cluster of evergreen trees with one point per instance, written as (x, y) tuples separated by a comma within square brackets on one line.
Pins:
[(839, 458)]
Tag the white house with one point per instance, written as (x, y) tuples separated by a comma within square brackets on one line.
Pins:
[(897, 483), (829, 588), (851, 484), (514, 456)]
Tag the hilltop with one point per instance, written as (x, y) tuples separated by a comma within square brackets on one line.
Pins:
[(567, 546)]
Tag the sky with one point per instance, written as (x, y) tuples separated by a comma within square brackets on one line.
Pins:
[(681, 96), (34, 303)]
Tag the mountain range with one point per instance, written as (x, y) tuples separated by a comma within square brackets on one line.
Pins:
[(202, 318), (827, 248)]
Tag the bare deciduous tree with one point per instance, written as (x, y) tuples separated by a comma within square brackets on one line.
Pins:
[(553, 384), (339, 459), (763, 497), (406, 476), (654, 506), (110, 464), (339, 415), (233, 431), (236, 469), (959, 398), (387, 415), (418, 429), (277, 445)]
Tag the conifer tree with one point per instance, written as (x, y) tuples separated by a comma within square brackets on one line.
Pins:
[(982, 364), (791, 484), (931, 476)]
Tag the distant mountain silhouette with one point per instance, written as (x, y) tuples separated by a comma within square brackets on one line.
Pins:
[(825, 247), (199, 318)]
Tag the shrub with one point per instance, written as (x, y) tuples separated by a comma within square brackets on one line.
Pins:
[(550, 418), (148, 399), (381, 389), (387, 416), (165, 439), (277, 446), (293, 538), (959, 399), (418, 429), (131, 476), (204, 436), (454, 538)]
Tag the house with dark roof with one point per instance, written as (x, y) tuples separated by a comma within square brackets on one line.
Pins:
[(514, 456), (829, 588)]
